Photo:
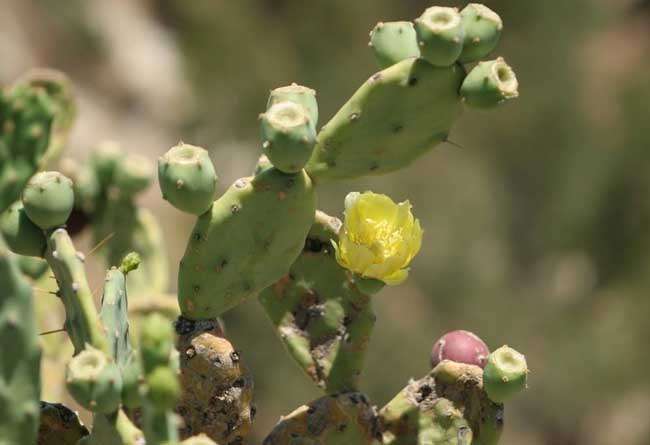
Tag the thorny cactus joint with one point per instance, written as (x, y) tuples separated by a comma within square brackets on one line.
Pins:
[(159, 372)]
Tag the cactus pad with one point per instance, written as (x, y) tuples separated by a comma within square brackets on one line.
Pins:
[(396, 116), (247, 241)]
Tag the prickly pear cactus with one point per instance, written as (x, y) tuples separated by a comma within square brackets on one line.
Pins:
[(323, 319), (20, 380), (404, 111), (314, 275)]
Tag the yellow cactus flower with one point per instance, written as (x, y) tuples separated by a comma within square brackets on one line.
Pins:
[(379, 238)]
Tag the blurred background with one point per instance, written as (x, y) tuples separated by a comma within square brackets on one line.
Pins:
[(536, 230)]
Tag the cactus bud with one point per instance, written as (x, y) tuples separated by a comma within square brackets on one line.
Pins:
[(297, 94), (94, 381), (393, 42), (48, 199), (163, 388), (130, 262), (505, 374), (482, 32), (133, 175), (461, 347), (187, 178), (21, 234), (105, 159), (440, 35), (288, 136), (489, 84)]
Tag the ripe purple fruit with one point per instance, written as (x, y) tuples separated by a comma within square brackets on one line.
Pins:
[(462, 347)]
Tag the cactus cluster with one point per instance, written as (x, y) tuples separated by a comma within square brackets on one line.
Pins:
[(314, 275)]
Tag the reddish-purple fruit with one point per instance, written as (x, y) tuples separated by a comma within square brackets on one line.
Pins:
[(462, 347)]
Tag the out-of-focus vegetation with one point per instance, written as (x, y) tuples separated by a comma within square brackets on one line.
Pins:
[(537, 229)]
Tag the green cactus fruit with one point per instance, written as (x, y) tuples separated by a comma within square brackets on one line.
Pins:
[(20, 382), (393, 42), (446, 407), (395, 117), (345, 418), (133, 175), (321, 317), (505, 374), (248, 240), (217, 388), (48, 199), (288, 136), (482, 32), (489, 84), (156, 342), (32, 267), (132, 378), (60, 425), (440, 35), (104, 160), (187, 178), (297, 94), (26, 116), (58, 88), (82, 321), (201, 439), (94, 380), (163, 389), (20, 233)]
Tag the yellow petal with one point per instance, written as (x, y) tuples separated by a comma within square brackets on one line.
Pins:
[(396, 278)]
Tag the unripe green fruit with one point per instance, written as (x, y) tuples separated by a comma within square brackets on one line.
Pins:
[(489, 84), (156, 342), (482, 32), (105, 159), (505, 374), (163, 388), (48, 199), (21, 234), (288, 136), (131, 382), (187, 178), (440, 35), (297, 94), (94, 381), (393, 42), (133, 175), (32, 267)]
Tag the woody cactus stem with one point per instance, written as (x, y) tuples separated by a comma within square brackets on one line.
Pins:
[(217, 389), (448, 406), (323, 319)]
